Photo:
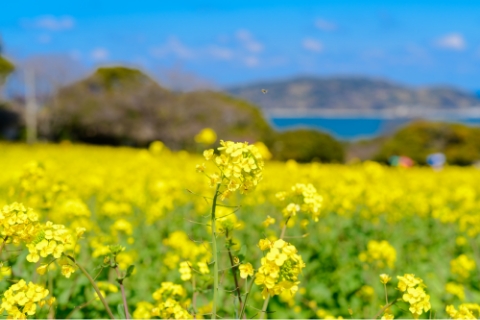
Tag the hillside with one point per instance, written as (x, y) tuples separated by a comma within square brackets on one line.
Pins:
[(356, 93), (122, 106)]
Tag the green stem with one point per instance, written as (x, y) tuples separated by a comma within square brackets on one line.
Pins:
[(95, 287), (246, 297), (384, 308), (78, 308), (265, 306), (386, 295), (234, 273), (124, 296), (215, 255)]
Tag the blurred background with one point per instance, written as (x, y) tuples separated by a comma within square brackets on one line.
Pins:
[(330, 81)]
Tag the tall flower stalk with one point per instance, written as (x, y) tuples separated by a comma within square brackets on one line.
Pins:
[(215, 254), (239, 166)]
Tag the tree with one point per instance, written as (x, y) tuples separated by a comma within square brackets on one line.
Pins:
[(120, 105), (6, 68)]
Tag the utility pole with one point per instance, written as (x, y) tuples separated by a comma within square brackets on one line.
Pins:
[(31, 107)]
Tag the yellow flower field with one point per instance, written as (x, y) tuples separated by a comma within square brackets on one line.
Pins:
[(99, 232)]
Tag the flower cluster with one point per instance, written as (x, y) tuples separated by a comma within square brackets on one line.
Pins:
[(167, 305), (240, 167), (380, 253), (455, 289), (32, 176), (462, 266), (53, 239), (185, 271), (388, 315), (304, 198), (143, 310), (465, 311), (21, 299), (414, 294), (18, 223), (280, 268)]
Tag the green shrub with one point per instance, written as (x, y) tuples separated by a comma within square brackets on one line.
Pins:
[(459, 143), (306, 145)]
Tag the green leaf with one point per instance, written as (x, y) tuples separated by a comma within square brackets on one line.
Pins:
[(130, 270), (121, 311), (242, 253)]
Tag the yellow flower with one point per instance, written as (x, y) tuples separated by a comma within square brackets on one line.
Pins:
[(167, 302), (264, 244), (276, 256), (33, 256), (379, 253), (310, 201), (143, 310), (206, 136), (42, 269), (246, 270), (208, 154), (465, 311), (203, 268), (185, 271), (455, 289), (240, 167), (414, 294), (80, 231), (18, 223), (385, 278), (156, 147), (200, 167), (462, 266), (280, 268), (408, 280), (263, 150), (268, 221), (21, 299), (51, 301), (67, 270)]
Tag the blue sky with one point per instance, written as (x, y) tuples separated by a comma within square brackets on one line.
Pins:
[(233, 42)]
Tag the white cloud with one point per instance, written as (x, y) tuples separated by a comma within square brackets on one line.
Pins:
[(325, 25), (220, 53), (51, 23), (173, 46), (99, 54), (248, 41), (452, 41), (251, 61), (312, 45), (44, 38)]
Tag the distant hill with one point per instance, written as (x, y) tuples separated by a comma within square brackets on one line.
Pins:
[(355, 93)]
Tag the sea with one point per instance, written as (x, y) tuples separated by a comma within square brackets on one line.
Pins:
[(351, 129)]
